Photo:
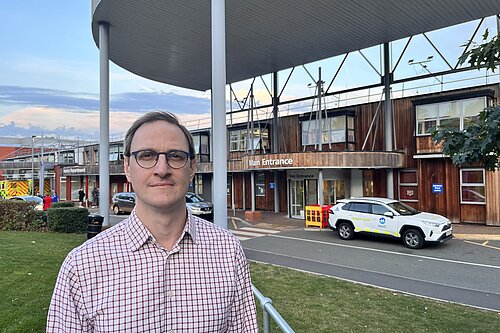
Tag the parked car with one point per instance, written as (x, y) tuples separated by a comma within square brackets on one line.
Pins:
[(199, 206), (389, 217), (36, 201), (123, 202)]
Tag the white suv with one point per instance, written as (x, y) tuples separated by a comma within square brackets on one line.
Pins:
[(388, 217)]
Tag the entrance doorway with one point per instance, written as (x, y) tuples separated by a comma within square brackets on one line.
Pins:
[(297, 198), (302, 193)]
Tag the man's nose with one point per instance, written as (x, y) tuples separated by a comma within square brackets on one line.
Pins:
[(162, 167)]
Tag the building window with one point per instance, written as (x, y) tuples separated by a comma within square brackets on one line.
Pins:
[(472, 186), (450, 115), (199, 184), (201, 147), (239, 140), (62, 193), (337, 129), (67, 157), (408, 185), (260, 184), (116, 152)]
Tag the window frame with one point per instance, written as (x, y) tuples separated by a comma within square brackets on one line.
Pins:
[(462, 185), (328, 133), (443, 118), (260, 187), (401, 184)]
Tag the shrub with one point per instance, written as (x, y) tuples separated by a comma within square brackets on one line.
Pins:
[(60, 204), (19, 215), (67, 219)]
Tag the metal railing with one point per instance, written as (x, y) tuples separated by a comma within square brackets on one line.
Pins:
[(269, 310)]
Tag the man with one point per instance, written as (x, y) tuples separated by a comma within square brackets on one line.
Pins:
[(162, 269), (81, 196)]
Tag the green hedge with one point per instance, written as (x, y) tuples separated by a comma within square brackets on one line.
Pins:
[(60, 204), (19, 215), (67, 219)]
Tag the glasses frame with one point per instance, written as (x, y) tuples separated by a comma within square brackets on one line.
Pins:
[(189, 156)]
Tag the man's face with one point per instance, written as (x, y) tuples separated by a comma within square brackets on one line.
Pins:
[(161, 187)]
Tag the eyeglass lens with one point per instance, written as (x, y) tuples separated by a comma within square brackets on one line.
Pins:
[(148, 158)]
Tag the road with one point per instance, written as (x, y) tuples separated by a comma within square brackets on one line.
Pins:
[(457, 271), (466, 272)]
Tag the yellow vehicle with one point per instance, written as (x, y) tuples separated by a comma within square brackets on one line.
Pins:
[(12, 188)]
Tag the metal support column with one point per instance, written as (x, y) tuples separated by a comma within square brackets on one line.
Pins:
[(104, 121), (252, 190), (276, 148), (388, 117), (219, 112)]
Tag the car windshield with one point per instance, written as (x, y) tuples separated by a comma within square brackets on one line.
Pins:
[(402, 208), (193, 198)]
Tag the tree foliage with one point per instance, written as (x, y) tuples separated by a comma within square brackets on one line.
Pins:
[(479, 142), (486, 55)]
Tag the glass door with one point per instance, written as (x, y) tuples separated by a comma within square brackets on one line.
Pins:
[(312, 192), (297, 198)]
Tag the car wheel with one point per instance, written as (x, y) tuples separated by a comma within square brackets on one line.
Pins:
[(413, 239), (345, 230), (116, 210)]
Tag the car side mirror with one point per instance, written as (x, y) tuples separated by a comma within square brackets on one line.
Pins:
[(389, 214)]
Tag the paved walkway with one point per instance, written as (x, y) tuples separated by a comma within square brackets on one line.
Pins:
[(281, 221)]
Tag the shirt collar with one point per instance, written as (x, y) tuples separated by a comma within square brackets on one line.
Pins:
[(136, 234)]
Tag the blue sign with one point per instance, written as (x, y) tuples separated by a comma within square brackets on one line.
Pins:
[(272, 185), (437, 188), (381, 220)]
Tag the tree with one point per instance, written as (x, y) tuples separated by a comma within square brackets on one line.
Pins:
[(479, 142)]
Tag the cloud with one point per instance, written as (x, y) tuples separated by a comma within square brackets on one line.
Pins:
[(49, 109)]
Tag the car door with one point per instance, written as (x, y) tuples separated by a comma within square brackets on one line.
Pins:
[(381, 223), (360, 215), (128, 202)]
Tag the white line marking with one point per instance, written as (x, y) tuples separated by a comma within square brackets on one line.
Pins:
[(388, 252), (241, 238), (265, 231), (247, 233)]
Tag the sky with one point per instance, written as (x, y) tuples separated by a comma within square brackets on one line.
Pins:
[(49, 74)]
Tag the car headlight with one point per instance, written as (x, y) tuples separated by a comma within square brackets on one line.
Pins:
[(432, 224)]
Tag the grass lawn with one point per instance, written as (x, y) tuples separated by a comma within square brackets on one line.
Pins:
[(30, 261)]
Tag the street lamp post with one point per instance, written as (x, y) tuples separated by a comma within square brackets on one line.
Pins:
[(32, 165), (42, 172)]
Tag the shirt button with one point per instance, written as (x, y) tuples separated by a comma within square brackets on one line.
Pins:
[(170, 293), (171, 331)]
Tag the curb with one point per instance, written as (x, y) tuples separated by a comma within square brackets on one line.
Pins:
[(477, 237)]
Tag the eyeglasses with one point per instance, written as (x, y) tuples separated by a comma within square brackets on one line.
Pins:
[(147, 159)]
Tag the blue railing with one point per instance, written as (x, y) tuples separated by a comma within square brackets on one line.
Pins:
[(269, 310)]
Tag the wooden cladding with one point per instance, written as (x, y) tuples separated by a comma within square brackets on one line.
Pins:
[(425, 145), (493, 198)]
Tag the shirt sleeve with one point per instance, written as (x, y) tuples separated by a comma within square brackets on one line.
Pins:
[(243, 317), (66, 307)]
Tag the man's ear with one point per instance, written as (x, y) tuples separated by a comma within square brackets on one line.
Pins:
[(126, 168), (193, 168)]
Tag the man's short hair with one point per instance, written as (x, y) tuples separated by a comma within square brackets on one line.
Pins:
[(152, 117)]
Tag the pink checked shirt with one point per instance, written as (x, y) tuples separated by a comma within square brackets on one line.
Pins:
[(122, 280)]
